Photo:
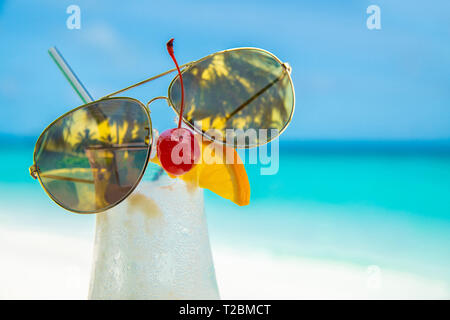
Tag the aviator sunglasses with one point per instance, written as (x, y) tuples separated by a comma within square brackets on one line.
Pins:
[(92, 157)]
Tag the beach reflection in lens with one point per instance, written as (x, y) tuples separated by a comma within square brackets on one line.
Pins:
[(237, 89), (93, 157)]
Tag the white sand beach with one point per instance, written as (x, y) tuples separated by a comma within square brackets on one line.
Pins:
[(35, 265)]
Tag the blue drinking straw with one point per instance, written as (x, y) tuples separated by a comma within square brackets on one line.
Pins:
[(70, 75), (78, 86)]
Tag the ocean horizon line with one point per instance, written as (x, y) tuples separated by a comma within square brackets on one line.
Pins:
[(312, 144), (416, 146)]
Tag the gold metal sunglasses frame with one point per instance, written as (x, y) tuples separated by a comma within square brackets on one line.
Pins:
[(34, 170), (186, 67)]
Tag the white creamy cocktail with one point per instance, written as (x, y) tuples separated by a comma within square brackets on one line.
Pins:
[(154, 245)]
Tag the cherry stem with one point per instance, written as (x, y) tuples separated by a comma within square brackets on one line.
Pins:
[(170, 50)]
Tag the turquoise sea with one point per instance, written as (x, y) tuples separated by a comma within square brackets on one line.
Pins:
[(370, 203)]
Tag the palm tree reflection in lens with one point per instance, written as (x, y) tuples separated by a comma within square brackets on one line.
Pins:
[(239, 89), (93, 157)]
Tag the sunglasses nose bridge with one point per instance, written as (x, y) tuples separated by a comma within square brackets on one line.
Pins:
[(154, 99)]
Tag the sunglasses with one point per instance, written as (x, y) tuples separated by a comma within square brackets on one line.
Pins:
[(91, 158)]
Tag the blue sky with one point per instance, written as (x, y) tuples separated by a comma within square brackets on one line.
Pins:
[(351, 82)]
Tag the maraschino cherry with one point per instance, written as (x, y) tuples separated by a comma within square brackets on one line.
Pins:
[(177, 148)]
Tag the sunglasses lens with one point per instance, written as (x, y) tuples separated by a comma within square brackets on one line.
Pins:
[(244, 89), (93, 157)]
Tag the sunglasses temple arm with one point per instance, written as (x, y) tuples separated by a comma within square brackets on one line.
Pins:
[(70, 75), (146, 80)]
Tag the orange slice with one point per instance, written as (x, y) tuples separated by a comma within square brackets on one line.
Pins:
[(220, 170)]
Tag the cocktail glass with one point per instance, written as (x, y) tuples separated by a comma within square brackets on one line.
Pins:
[(154, 245)]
